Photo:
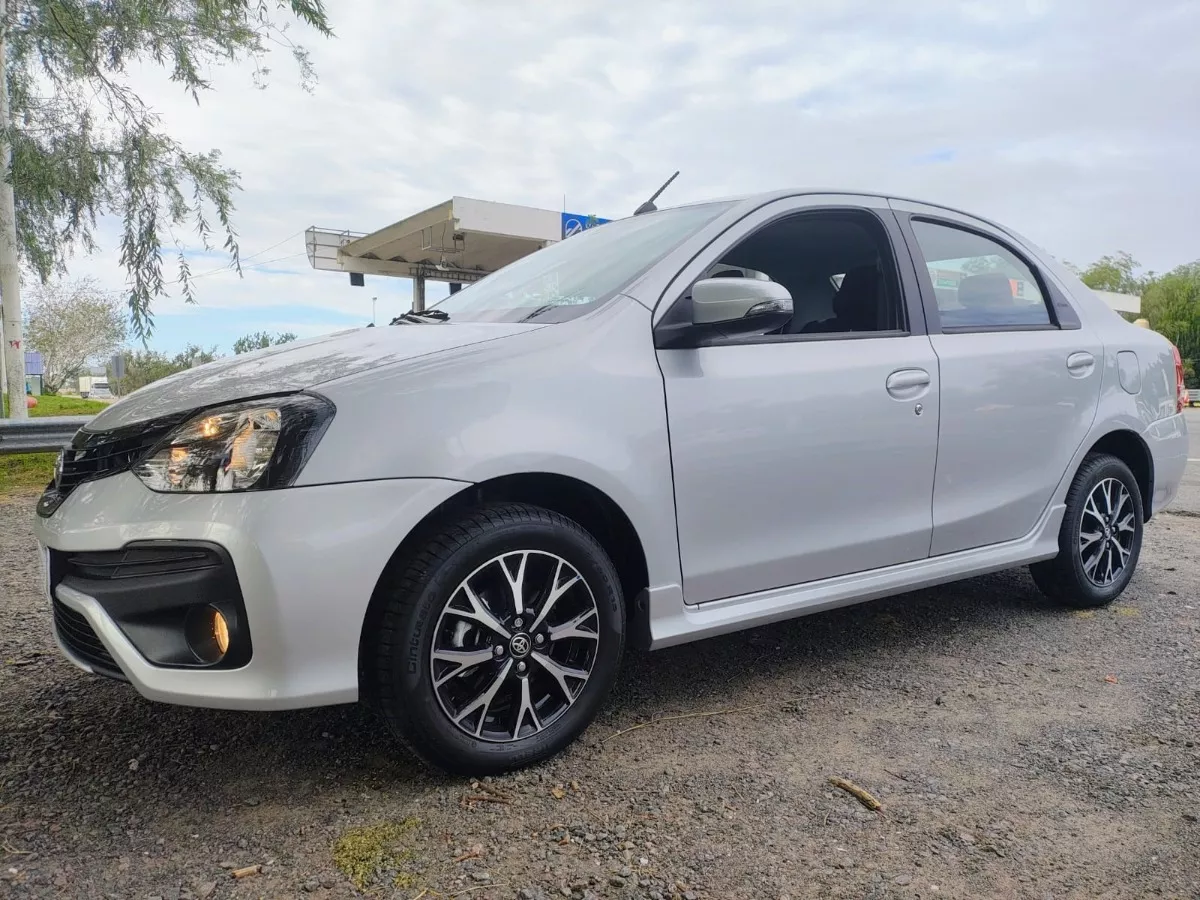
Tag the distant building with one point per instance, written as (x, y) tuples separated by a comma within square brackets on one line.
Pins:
[(35, 372)]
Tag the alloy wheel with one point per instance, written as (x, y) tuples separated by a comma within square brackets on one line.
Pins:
[(1106, 532), (514, 646)]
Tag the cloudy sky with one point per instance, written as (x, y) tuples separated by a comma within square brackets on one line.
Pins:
[(1075, 121)]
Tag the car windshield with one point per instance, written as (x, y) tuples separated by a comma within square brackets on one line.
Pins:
[(575, 275)]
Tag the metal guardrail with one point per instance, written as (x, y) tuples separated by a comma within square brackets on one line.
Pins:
[(45, 435)]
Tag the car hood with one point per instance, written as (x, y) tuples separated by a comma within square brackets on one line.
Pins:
[(295, 367)]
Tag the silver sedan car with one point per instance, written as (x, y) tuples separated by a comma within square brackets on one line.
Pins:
[(666, 428)]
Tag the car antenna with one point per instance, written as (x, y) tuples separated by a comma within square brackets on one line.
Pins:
[(649, 206)]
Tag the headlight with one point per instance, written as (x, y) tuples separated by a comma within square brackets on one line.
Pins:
[(255, 445)]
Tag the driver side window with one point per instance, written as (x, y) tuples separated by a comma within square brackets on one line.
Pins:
[(837, 266)]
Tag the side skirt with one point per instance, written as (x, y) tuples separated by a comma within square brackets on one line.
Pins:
[(672, 622)]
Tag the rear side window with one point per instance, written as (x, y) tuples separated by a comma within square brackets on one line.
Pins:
[(978, 282)]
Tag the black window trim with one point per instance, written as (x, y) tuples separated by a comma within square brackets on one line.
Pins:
[(904, 278), (1062, 314)]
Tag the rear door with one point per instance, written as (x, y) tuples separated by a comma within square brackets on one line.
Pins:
[(1020, 377)]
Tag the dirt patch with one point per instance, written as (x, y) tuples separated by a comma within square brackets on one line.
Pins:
[(1017, 751)]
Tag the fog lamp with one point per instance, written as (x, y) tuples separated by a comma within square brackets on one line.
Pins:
[(208, 633), (220, 631)]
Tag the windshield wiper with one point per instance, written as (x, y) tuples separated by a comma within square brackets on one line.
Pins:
[(421, 317), (545, 307)]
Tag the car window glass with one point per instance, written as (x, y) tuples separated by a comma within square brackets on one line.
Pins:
[(836, 266), (978, 282)]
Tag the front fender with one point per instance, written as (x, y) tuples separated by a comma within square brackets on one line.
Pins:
[(582, 399)]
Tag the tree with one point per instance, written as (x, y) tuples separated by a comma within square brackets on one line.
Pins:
[(145, 366), (1115, 273), (1171, 303), (72, 324), (77, 143), (260, 340)]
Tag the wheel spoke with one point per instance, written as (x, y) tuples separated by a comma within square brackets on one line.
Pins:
[(571, 629), (484, 701), (526, 710), (462, 660), (479, 613), (1106, 547), (490, 677), (516, 582), (1122, 497), (556, 592), (560, 672)]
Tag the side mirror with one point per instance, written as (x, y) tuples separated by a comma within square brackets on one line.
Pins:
[(740, 304)]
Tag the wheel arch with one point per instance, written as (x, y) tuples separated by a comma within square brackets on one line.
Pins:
[(579, 501), (1131, 449)]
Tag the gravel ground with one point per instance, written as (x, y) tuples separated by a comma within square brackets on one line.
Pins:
[(1018, 751)]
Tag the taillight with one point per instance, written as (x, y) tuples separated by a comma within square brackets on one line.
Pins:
[(1180, 387)]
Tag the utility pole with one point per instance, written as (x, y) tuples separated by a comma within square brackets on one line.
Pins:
[(3, 368), (10, 272), (373, 299)]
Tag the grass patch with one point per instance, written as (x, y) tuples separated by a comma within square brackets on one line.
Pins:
[(51, 405), (373, 853), (25, 471), (33, 471)]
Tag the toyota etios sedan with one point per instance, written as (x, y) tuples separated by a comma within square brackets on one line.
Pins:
[(666, 428)]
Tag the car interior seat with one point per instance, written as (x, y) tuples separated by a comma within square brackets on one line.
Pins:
[(855, 305)]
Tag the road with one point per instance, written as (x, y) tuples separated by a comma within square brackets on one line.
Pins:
[(1018, 750), (1188, 500)]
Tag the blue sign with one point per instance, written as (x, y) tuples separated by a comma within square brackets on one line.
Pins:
[(573, 223), (34, 364)]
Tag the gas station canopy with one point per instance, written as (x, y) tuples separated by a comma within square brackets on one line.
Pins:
[(458, 241)]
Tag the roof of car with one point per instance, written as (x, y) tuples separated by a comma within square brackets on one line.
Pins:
[(762, 197)]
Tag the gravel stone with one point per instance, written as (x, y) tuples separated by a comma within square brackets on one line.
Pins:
[(1034, 775)]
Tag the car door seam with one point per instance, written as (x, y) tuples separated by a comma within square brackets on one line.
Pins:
[(937, 445)]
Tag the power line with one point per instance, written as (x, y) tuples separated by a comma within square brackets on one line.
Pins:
[(273, 246), (244, 259), (265, 262)]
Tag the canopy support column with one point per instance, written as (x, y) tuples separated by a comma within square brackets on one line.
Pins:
[(418, 293)]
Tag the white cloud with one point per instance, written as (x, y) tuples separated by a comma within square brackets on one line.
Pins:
[(1074, 122)]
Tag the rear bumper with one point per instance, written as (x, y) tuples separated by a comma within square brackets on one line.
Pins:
[(307, 561), (1168, 443)]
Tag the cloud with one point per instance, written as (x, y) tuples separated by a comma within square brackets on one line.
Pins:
[(1074, 121)]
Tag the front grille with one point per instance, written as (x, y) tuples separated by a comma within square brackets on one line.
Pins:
[(78, 637), (136, 561), (98, 454)]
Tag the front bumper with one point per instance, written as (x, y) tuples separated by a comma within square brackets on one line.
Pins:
[(307, 561)]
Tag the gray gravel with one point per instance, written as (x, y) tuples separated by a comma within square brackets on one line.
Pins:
[(1018, 751)]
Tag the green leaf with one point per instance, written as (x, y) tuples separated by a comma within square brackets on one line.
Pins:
[(85, 145)]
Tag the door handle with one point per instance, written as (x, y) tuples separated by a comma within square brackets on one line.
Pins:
[(908, 384), (1080, 363)]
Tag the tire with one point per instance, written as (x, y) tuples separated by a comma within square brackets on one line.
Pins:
[(1078, 576), (430, 659)]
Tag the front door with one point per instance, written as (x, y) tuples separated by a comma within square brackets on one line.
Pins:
[(806, 454)]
